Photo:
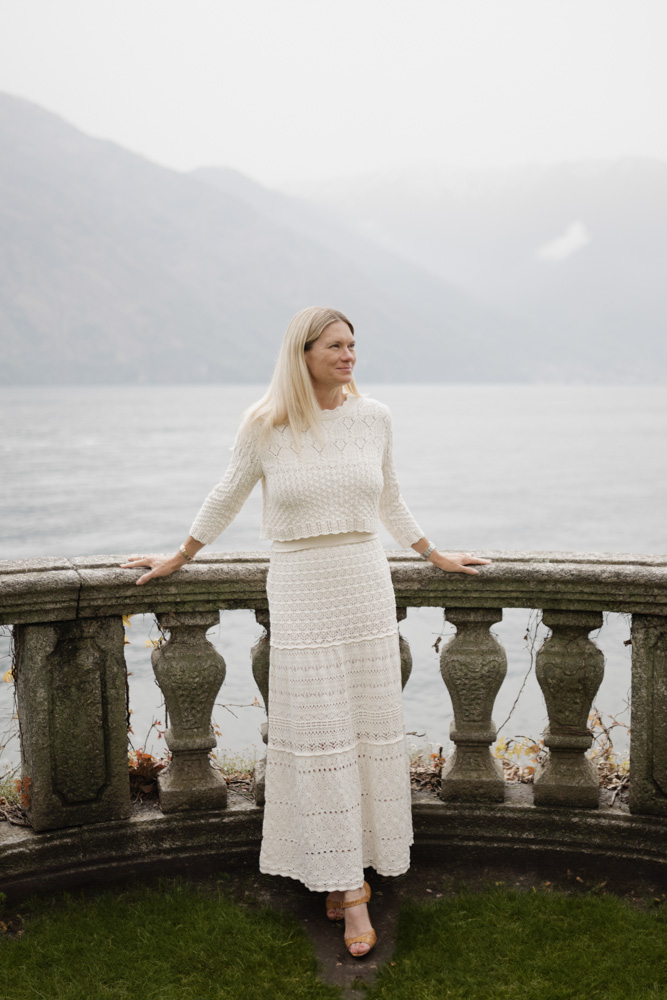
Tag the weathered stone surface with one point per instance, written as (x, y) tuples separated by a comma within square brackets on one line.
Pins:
[(151, 843), (69, 593), (473, 665), (95, 586), (33, 590), (648, 737), (569, 669), (260, 782), (559, 580), (404, 649), (148, 843), (261, 654), (210, 583), (72, 707), (190, 672), (260, 657)]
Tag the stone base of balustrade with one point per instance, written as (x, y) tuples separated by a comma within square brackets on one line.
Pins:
[(207, 842), (567, 779), (190, 782), (472, 775), (260, 781)]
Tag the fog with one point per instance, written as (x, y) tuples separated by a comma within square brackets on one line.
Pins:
[(311, 90)]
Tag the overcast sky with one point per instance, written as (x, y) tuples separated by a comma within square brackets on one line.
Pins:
[(289, 89)]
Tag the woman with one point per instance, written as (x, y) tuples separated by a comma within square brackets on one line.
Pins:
[(337, 775)]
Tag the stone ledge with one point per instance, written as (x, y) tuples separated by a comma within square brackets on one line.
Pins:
[(35, 590), (151, 843)]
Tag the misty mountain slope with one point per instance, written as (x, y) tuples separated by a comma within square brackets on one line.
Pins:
[(113, 269), (576, 250), (480, 341)]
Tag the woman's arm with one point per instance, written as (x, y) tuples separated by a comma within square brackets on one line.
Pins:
[(164, 565), (453, 562)]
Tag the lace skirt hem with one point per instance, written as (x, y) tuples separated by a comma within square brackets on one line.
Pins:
[(338, 887)]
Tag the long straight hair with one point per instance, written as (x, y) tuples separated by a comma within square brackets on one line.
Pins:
[(290, 398)]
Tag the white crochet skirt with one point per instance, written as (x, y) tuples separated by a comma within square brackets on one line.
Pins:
[(337, 770)]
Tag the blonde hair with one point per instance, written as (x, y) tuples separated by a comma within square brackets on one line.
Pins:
[(290, 398)]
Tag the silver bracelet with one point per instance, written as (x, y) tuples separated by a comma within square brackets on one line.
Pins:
[(184, 552), (427, 551)]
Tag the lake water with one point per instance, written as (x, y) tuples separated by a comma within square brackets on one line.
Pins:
[(124, 469)]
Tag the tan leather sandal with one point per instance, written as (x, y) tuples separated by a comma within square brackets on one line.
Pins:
[(334, 904), (370, 937)]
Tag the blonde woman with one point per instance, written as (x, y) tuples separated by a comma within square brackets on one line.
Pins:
[(337, 776)]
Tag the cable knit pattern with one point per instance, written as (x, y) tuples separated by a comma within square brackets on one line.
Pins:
[(337, 778), (343, 482)]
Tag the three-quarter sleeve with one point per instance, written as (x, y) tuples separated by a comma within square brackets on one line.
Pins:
[(226, 499), (393, 510)]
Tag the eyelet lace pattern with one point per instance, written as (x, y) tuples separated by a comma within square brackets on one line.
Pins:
[(341, 478), (337, 778)]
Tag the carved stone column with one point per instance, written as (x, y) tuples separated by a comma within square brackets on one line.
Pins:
[(190, 672), (404, 647), (648, 737), (72, 707), (260, 671), (473, 665), (569, 669)]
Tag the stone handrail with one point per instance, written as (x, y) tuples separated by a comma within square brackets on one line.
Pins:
[(72, 700)]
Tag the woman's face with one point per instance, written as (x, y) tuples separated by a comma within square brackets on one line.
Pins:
[(331, 357)]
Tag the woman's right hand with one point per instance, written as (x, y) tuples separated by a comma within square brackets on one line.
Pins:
[(159, 565)]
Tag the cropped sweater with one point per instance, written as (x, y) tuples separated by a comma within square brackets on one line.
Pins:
[(344, 482)]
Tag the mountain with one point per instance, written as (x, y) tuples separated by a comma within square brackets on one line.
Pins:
[(575, 250), (114, 269)]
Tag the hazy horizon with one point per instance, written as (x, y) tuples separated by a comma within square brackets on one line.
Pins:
[(302, 92)]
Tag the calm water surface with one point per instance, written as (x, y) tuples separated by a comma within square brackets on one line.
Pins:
[(124, 469)]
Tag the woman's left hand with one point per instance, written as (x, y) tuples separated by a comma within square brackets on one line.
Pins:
[(457, 562)]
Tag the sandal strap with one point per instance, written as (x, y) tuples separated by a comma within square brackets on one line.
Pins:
[(366, 898), (369, 938)]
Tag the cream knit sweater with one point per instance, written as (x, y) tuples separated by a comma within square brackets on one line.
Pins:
[(342, 483)]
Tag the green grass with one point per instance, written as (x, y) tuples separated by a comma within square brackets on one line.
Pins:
[(501, 945), (182, 942), (175, 942)]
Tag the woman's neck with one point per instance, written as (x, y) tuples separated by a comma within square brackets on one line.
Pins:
[(329, 398)]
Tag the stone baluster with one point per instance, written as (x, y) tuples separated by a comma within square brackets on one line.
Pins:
[(72, 706), (190, 672), (473, 665), (569, 669), (260, 671), (648, 737), (404, 648)]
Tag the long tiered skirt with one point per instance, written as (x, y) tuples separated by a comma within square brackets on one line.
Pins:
[(337, 773)]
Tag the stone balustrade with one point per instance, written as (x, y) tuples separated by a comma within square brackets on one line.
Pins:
[(72, 704)]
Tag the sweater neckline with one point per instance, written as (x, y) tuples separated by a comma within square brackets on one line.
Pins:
[(339, 411)]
